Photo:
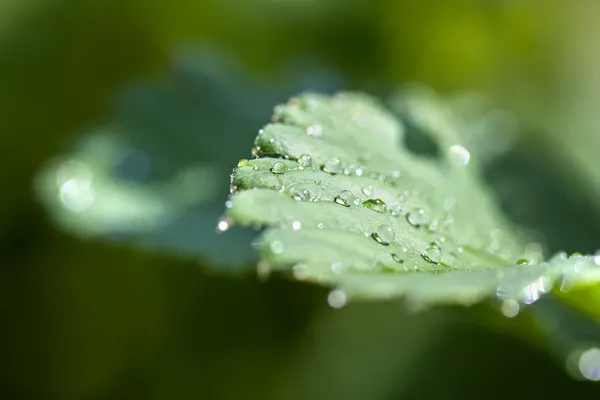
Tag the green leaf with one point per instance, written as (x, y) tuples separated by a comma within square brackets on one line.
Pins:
[(347, 204)]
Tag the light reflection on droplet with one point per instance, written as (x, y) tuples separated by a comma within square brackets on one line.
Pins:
[(589, 364), (460, 155), (77, 194), (296, 225), (314, 130), (223, 225), (533, 291), (337, 299), (228, 203)]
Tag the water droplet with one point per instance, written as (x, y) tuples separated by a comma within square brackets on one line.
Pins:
[(375, 205), (317, 182), (576, 254), (459, 155), (315, 130), (345, 198), (336, 267), (367, 190), (597, 260), (510, 308), (356, 201), (228, 204), (397, 258), (589, 364), (432, 255), (320, 225), (302, 195), (276, 247), (332, 166), (304, 161), (255, 151), (296, 225), (396, 211), (337, 299), (300, 271), (358, 171), (279, 168), (416, 217), (383, 235), (522, 261), (223, 225), (532, 292)]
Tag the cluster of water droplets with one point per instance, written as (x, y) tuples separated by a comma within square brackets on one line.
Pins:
[(514, 298)]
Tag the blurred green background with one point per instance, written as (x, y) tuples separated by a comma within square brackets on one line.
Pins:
[(130, 293)]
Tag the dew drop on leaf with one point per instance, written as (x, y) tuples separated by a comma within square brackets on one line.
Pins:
[(314, 130), (276, 247), (375, 205), (397, 258), (522, 261), (459, 155), (279, 168), (302, 195), (345, 198), (510, 308), (432, 255), (337, 299), (304, 161), (300, 271), (332, 166), (416, 217), (367, 190), (395, 211), (383, 235)]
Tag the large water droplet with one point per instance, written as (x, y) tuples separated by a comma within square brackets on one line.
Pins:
[(345, 198), (375, 205), (383, 235), (304, 161), (432, 255), (332, 166), (315, 130), (416, 217), (279, 168)]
